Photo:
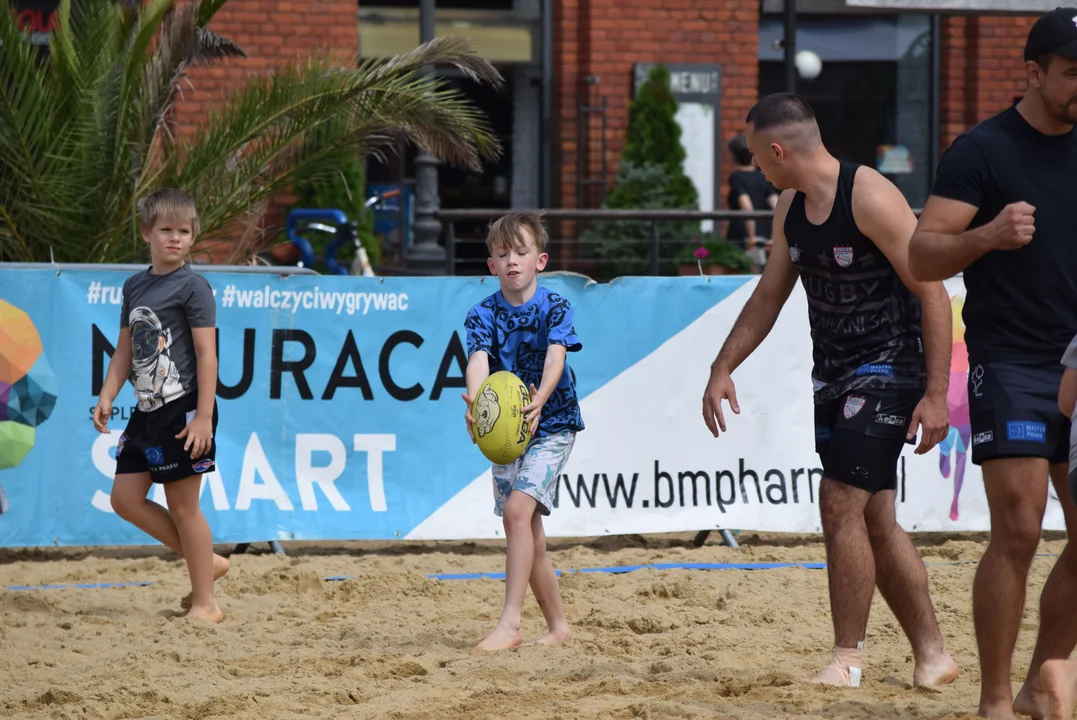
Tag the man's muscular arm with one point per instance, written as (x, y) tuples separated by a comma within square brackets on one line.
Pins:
[(759, 314), (882, 214), (942, 244), (753, 324)]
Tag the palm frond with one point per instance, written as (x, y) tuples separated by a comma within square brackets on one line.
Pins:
[(460, 52), (210, 47), (86, 131)]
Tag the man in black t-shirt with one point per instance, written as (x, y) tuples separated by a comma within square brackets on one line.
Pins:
[(1003, 210), (749, 189)]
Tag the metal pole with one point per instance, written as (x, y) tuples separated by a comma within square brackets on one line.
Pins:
[(789, 45), (547, 104), (655, 246), (425, 252)]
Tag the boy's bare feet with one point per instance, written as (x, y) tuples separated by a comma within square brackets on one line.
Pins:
[(502, 638), (555, 637), (941, 670), (1058, 679), (220, 569), (212, 614)]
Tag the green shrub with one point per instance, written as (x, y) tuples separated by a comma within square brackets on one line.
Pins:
[(650, 177)]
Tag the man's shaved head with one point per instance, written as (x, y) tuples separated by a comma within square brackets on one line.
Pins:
[(782, 130), (778, 110)]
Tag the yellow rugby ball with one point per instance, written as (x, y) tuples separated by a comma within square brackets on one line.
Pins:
[(498, 411)]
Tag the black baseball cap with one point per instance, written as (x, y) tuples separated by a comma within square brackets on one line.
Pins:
[(1054, 33)]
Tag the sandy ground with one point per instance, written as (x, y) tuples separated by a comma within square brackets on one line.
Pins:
[(392, 643)]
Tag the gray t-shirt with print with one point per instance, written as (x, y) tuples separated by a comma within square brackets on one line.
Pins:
[(1069, 359), (160, 310)]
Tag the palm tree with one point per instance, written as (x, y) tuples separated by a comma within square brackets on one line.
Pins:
[(88, 128)]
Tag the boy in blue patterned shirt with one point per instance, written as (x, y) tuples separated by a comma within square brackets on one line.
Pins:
[(526, 329)]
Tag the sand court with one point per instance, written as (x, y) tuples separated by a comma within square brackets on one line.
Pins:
[(392, 643)]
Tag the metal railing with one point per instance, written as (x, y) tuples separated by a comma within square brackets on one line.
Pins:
[(600, 243), (135, 267)]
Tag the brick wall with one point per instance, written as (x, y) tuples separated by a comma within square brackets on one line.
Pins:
[(271, 32), (982, 69), (607, 38)]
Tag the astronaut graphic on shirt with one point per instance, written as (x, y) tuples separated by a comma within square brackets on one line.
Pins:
[(159, 311), (155, 375)]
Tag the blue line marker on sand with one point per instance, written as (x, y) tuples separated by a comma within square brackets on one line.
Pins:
[(677, 566), (620, 569), (81, 586), (616, 569)]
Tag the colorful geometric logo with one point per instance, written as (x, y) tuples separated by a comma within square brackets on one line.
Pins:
[(27, 388)]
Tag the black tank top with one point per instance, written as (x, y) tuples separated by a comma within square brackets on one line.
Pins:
[(865, 324)]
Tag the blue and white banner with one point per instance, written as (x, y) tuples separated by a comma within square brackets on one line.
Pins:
[(341, 416)]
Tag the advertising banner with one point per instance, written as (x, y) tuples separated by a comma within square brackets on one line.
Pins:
[(341, 414)]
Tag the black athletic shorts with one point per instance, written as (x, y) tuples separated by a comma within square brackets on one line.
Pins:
[(1013, 410), (149, 443), (859, 437)]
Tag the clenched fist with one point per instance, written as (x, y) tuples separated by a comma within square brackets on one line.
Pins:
[(1012, 228)]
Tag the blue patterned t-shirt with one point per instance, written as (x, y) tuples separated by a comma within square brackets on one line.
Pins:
[(516, 338)]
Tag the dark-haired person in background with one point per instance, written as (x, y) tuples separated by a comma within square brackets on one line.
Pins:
[(1003, 210), (845, 230), (749, 189)]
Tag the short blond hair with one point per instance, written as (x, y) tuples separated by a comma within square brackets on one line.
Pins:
[(169, 203), (505, 231)]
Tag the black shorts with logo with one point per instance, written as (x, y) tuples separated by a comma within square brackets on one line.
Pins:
[(1013, 412), (149, 443), (859, 436)]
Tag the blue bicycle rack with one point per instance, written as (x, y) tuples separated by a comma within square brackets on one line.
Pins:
[(344, 233)]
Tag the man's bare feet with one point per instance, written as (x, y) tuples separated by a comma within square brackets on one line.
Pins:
[(1031, 701), (843, 670), (555, 637), (502, 638), (940, 670), (1000, 711), (1058, 681), (212, 614), (221, 566)]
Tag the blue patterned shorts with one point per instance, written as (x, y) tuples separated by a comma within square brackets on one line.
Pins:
[(534, 473)]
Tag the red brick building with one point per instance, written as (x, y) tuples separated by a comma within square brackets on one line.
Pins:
[(979, 68), (270, 31), (908, 80), (982, 68)]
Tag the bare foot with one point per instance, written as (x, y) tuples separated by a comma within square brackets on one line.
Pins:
[(220, 569), (1000, 711), (501, 639), (940, 670), (558, 637), (212, 614), (835, 675), (843, 669), (1058, 680), (1030, 701)]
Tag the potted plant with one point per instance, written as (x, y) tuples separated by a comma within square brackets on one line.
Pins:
[(713, 256)]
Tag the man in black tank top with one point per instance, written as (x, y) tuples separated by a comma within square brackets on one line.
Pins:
[(1003, 210), (844, 230)]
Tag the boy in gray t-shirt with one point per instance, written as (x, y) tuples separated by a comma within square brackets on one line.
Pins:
[(168, 351)]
